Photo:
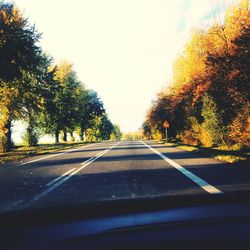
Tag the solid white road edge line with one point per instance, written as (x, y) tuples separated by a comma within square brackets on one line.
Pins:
[(56, 154), (202, 183), (60, 177), (61, 181)]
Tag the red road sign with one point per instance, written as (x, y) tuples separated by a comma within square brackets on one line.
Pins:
[(166, 124)]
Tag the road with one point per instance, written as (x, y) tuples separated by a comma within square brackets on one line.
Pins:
[(115, 170)]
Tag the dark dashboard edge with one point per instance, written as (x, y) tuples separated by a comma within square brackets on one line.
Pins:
[(61, 214)]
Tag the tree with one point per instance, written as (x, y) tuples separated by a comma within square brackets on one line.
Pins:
[(39, 91), (19, 54), (62, 112), (105, 128), (116, 134), (208, 101), (90, 107), (212, 120), (18, 41), (100, 128), (240, 128), (147, 130)]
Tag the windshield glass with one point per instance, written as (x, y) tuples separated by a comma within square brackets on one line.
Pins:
[(107, 100)]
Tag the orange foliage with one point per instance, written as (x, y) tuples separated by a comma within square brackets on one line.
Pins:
[(187, 137), (200, 90), (215, 62), (240, 128)]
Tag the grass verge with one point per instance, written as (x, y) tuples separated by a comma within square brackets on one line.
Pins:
[(20, 152), (227, 154)]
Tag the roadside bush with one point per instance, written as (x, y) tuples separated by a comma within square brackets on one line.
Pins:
[(213, 129), (206, 138), (192, 134), (156, 135), (240, 129), (187, 137)]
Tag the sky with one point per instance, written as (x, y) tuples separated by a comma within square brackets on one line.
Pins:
[(123, 49)]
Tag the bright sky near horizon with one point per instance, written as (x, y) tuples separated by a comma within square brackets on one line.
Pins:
[(123, 49)]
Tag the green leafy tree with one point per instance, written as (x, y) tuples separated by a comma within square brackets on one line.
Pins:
[(105, 128), (212, 120), (19, 54), (90, 107), (39, 92), (116, 134), (62, 112), (100, 129)]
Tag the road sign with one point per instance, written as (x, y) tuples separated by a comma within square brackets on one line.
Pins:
[(166, 124)]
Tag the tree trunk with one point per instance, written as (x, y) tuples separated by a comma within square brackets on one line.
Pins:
[(29, 136), (9, 141), (32, 136), (57, 136), (65, 135), (82, 134), (5, 137), (72, 138)]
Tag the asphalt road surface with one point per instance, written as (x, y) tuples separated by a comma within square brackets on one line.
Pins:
[(115, 170)]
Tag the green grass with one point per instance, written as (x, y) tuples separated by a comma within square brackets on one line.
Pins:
[(223, 153), (19, 152)]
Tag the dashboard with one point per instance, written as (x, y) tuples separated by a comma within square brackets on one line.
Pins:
[(182, 222)]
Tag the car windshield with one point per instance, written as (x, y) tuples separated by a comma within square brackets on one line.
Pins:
[(112, 100)]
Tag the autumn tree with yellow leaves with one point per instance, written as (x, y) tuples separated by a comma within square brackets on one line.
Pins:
[(208, 102)]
